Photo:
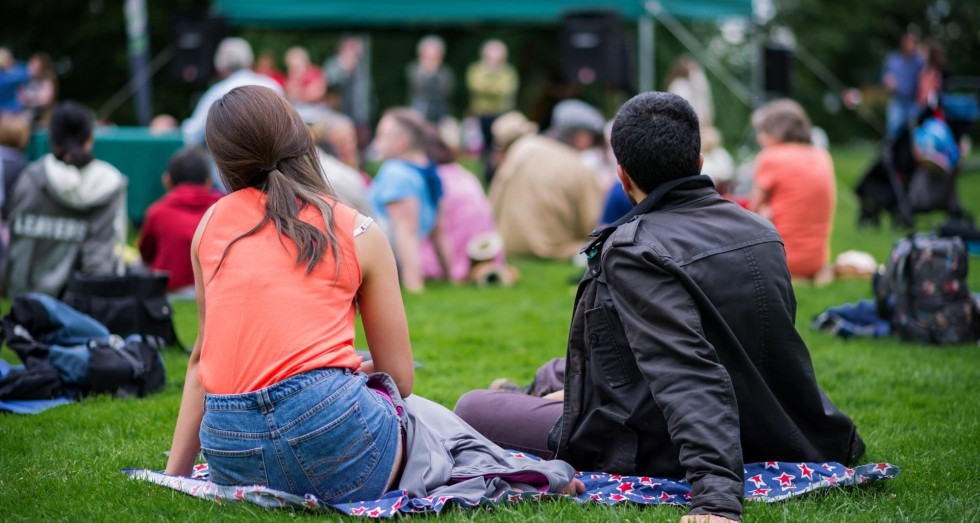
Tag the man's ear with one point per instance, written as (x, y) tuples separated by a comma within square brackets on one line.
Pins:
[(700, 163), (168, 182), (624, 179)]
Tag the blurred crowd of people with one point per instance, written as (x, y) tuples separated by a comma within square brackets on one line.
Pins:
[(541, 194)]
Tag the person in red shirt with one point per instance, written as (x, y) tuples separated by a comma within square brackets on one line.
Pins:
[(169, 224)]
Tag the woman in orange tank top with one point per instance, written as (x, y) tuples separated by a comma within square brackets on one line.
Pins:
[(275, 393)]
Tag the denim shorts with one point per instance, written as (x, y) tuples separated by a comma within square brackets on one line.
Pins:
[(322, 432)]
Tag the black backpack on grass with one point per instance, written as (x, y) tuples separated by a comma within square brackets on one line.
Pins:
[(923, 291)]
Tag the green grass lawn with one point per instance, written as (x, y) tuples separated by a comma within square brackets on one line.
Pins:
[(916, 406)]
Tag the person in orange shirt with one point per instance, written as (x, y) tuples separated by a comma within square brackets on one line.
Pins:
[(795, 188), (275, 393)]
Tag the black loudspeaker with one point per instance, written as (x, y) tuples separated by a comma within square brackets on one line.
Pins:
[(195, 40), (595, 51), (777, 71)]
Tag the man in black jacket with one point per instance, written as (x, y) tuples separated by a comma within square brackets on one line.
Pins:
[(683, 357)]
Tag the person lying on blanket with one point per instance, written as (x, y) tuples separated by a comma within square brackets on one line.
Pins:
[(275, 394), (683, 357)]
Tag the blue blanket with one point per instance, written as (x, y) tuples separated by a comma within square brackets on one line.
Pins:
[(768, 482)]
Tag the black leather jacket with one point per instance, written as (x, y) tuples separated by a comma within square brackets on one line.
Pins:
[(683, 355)]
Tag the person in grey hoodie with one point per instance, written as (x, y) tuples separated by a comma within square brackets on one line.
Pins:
[(68, 211)]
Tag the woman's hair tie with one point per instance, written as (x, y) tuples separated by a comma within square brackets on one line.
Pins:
[(266, 170)]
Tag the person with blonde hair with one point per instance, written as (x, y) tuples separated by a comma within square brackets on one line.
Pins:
[(794, 187)]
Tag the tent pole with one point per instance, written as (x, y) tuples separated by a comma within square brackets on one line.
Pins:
[(645, 68)]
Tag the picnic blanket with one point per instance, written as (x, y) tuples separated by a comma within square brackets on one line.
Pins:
[(768, 482)]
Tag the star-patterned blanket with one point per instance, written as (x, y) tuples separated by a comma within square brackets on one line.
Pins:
[(768, 482)]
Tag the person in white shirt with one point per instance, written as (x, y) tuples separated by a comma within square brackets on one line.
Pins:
[(233, 61)]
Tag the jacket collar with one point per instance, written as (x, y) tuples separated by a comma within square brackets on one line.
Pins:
[(648, 204)]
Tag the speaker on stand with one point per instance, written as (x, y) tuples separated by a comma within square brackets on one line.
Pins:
[(777, 72), (595, 51), (195, 40)]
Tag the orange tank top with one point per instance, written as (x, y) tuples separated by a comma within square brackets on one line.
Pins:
[(266, 319)]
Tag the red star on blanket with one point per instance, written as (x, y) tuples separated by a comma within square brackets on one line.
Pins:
[(665, 496), (827, 466), (615, 477), (805, 471), (757, 479), (358, 511), (772, 465), (625, 487), (595, 497), (648, 482), (617, 497), (832, 480), (881, 466), (760, 492), (239, 494), (375, 512), (688, 496), (785, 481), (442, 500), (396, 506), (519, 455), (848, 473), (513, 498)]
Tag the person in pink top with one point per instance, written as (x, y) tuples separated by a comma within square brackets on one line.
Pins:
[(795, 188), (464, 213)]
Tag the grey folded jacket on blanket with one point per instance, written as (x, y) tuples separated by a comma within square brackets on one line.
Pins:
[(447, 457)]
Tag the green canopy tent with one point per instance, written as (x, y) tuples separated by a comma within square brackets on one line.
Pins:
[(350, 13), (380, 13)]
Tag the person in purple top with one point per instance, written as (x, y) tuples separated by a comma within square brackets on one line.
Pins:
[(900, 76)]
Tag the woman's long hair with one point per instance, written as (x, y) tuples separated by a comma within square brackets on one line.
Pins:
[(258, 140)]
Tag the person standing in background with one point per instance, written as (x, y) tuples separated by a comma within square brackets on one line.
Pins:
[(430, 81), (38, 95), (12, 76), (900, 76), (348, 74), (492, 84)]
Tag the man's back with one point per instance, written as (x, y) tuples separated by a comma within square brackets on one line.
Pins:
[(688, 304), (545, 200)]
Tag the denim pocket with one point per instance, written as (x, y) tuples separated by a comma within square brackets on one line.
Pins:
[(339, 457), (236, 467)]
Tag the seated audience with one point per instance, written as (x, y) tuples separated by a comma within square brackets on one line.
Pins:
[(15, 132), (794, 187), (582, 127), (168, 227), (67, 210), (233, 62), (464, 213), (406, 192), (683, 356), (545, 199)]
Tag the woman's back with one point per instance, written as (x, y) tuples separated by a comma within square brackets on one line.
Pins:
[(266, 318), (802, 195)]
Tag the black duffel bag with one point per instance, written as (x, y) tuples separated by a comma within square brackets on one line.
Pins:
[(135, 303)]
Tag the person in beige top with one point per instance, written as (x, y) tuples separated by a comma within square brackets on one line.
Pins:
[(544, 198)]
